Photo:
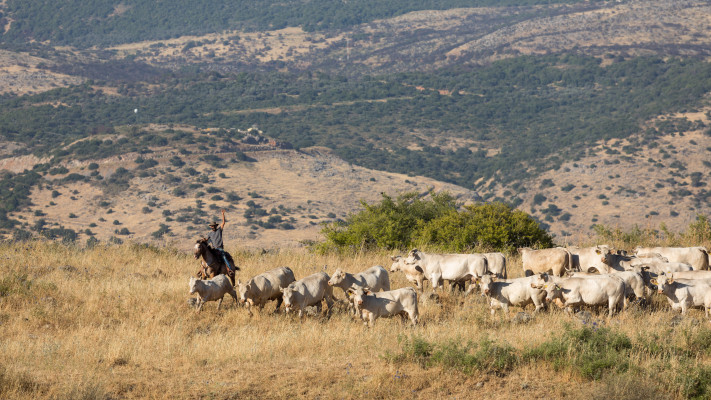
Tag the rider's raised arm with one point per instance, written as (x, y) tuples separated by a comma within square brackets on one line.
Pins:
[(223, 220)]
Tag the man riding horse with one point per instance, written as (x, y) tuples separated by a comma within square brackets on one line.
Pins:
[(214, 239)]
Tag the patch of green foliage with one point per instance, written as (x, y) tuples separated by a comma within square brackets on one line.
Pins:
[(410, 220), (485, 356)]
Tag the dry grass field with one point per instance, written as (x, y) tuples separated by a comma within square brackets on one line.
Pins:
[(114, 322)]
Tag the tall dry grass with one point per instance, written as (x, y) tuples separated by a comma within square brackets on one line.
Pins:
[(114, 322)]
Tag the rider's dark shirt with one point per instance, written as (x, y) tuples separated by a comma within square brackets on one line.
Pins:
[(215, 238)]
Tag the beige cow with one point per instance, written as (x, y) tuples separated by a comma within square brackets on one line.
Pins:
[(265, 287), (697, 257), (374, 305), (556, 261), (307, 292)]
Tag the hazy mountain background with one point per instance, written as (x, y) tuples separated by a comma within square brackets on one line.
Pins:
[(132, 120)]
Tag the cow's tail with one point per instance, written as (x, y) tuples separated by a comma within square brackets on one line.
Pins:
[(504, 273), (569, 260)]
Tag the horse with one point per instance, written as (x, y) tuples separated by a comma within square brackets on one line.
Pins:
[(212, 263)]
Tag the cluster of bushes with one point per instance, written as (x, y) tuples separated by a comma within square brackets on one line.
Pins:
[(437, 222), (591, 352)]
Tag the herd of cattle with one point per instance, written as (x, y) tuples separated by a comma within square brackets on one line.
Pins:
[(568, 277)]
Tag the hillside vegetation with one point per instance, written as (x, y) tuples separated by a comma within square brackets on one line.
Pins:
[(511, 100)]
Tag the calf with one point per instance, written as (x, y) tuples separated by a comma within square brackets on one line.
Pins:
[(385, 304), (512, 292), (685, 293), (211, 290), (307, 292), (265, 287)]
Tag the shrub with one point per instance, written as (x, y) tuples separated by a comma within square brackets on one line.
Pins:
[(485, 356), (589, 351), (410, 220), (538, 199)]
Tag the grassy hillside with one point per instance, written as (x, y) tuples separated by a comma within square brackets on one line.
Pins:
[(115, 322)]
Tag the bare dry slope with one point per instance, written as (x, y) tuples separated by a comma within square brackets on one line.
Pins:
[(294, 190)]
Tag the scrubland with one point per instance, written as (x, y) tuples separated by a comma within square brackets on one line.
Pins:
[(114, 322)]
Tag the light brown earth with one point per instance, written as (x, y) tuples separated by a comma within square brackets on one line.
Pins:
[(313, 184)]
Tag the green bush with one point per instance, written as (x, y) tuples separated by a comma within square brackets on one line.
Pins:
[(438, 222), (486, 356), (589, 351)]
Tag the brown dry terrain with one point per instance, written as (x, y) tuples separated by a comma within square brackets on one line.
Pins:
[(619, 186), (114, 322), (305, 188)]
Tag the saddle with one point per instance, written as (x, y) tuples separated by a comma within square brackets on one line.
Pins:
[(228, 256)]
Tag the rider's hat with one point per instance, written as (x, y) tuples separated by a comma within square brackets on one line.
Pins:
[(214, 223)]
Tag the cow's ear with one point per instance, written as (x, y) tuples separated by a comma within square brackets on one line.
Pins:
[(419, 269), (597, 250), (493, 278), (653, 281), (281, 289), (394, 258), (367, 291), (534, 286), (239, 281), (556, 287)]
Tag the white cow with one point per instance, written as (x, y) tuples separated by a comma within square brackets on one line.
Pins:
[(265, 287), (634, 282), (307, 292), (451, 267), (556, 261), (496, 264), (592, 290), (612, 262), (373, 305), (413, 273), (589, 259), (697, 257), (376, 278), (685, 293), (512, 292), (212, 290)]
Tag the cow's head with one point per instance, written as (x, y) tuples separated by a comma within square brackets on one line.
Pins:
[(663, 281), (413, 257), (287, 295), (337, 277), (539, 280), (397, 261), (485, 283), (358, 294), (193, 285), (243, 289)]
